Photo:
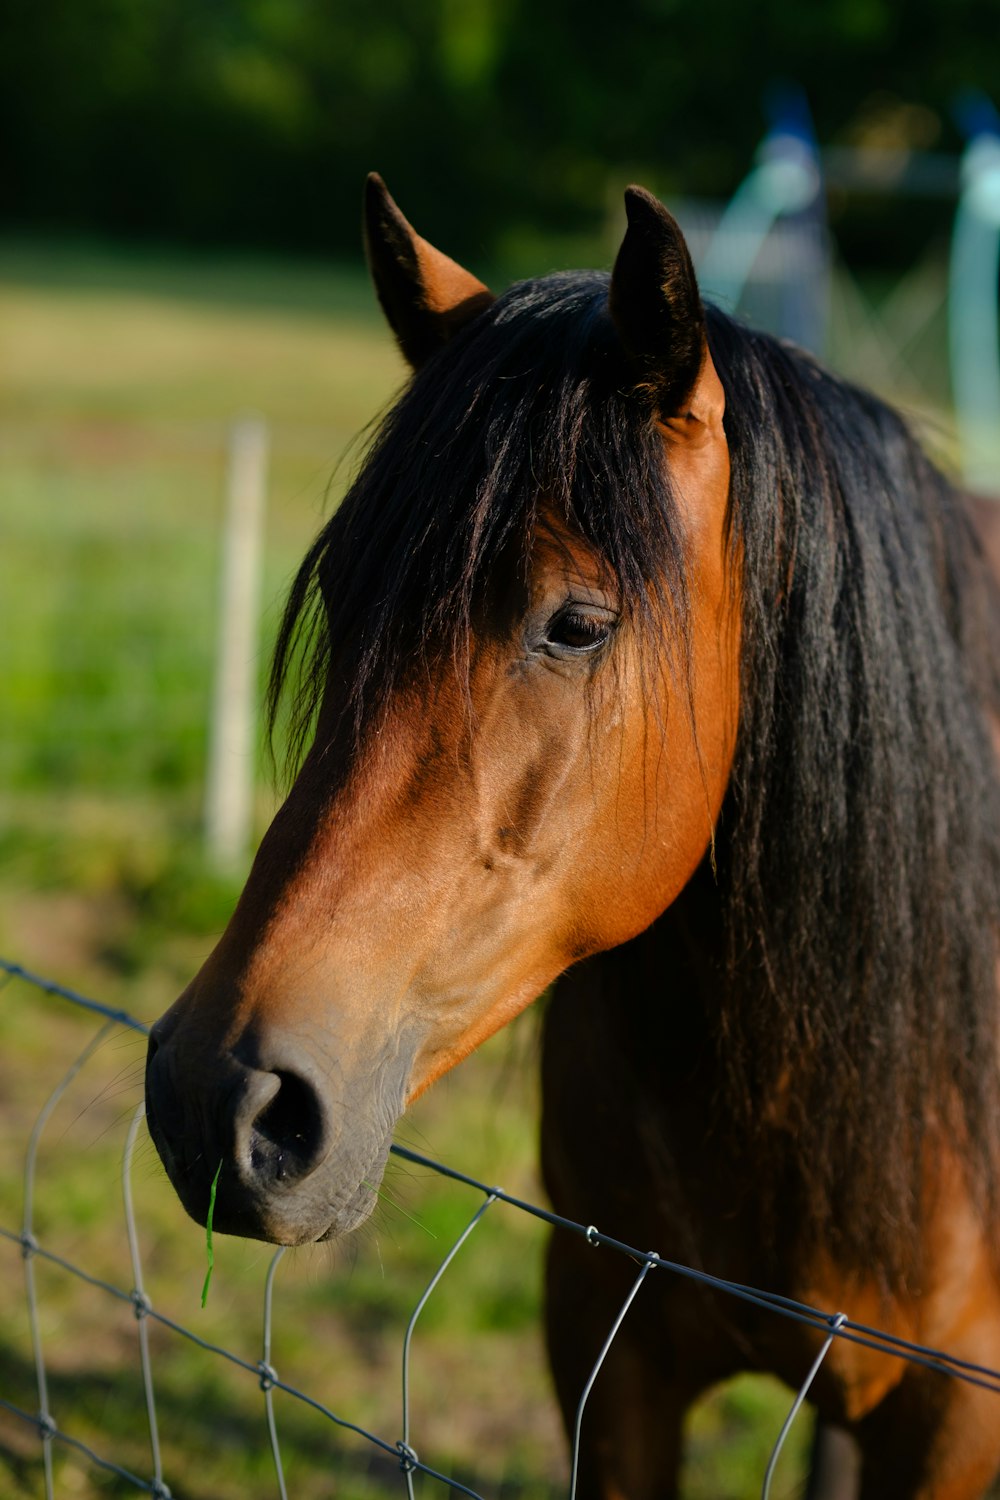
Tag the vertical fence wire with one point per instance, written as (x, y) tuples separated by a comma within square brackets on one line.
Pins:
[(141, 1303), (269, 1375), (836, 1322), (29, 1247), (605, 1350), (407, 1456)]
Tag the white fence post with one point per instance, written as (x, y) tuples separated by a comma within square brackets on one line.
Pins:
[(231, 762)]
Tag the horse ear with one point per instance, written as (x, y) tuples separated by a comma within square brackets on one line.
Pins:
[(655, 304), (425, 296)]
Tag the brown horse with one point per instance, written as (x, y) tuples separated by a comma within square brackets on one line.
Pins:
[(647, 654)]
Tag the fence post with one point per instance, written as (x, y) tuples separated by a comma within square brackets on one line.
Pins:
[(230, 782)]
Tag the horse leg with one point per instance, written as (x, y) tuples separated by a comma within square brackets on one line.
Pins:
[(835, 1464), (630, 1441), (932, 1438)]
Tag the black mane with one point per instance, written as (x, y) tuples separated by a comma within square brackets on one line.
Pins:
[(862, 888), (859, 848)]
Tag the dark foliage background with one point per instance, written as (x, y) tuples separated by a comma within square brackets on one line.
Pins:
[(252, 122)]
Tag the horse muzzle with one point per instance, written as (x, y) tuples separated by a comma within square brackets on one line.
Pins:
[(295, 1152)]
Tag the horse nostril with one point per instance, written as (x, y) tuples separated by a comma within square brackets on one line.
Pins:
[(287, 1136)]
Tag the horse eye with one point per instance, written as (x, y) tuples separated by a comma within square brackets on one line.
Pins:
[(573, 630)]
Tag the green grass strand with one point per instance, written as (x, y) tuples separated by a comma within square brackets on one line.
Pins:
[(209, 1251)]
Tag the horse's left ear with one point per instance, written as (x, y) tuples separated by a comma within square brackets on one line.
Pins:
[(425, 295), (656, 307)]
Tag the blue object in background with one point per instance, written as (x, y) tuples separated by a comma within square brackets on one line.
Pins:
[(785, 184), (974, 296)]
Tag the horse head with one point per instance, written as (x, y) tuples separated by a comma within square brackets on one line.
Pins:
[(526, 709)]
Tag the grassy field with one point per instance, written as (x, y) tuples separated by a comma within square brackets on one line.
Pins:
[(121, 376)]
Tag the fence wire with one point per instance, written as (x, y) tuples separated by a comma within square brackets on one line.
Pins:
[(829, 1326)]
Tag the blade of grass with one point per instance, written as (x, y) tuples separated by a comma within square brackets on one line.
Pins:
[(209, 1252)]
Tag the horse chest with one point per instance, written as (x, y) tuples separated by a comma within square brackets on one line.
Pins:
[(629, 1143)]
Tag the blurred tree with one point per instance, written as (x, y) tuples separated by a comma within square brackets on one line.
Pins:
[(253, 121)]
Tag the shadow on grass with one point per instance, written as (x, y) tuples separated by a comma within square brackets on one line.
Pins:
[(214, 1442)]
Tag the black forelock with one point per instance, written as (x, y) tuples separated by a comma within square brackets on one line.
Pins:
[(533, 404)]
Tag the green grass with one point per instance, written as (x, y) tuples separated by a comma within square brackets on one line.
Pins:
[(122, 373), (114, 416)]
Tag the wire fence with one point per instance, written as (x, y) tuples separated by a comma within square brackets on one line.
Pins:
[(402, 1450)]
